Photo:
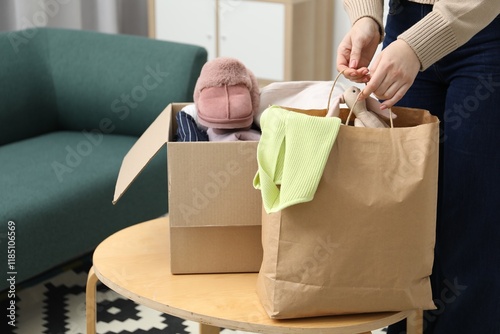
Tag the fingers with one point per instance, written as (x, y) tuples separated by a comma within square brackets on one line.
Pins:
[(348, 66), (355, 55), (384, 89), (392, 74), (342, 58), (356, 50), (361, 75), (398, 95), (374, 82)]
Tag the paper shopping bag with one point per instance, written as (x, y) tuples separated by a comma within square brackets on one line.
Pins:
[(365, 242)]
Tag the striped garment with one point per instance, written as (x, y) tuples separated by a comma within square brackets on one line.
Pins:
[(187, 129)]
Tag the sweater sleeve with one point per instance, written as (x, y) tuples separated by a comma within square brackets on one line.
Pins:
[(369, 8), (450, 25)]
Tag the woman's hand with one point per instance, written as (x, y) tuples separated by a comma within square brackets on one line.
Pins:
[(392, 73), (356, 50)]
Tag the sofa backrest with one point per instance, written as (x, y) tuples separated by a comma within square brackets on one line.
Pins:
[(102, 82), (27, 96)]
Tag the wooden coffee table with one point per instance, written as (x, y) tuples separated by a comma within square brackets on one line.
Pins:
[(134, 262)]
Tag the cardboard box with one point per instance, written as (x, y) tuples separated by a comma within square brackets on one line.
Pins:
[(214, 211)]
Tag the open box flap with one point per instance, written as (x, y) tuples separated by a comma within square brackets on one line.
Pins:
[(145, 148)]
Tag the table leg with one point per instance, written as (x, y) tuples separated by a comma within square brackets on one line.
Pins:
[(207, 329), (415, 322), (90, 302)]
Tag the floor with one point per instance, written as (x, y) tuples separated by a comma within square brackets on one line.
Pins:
[(55, 304)]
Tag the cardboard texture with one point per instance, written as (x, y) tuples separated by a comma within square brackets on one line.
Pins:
[(365, 243), (214, 211)]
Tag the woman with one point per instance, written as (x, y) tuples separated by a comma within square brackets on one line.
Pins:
[(444, 56)]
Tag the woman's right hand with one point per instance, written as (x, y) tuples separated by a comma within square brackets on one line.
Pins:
[(356, 50)]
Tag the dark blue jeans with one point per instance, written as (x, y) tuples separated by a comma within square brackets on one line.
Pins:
[(463, 90)]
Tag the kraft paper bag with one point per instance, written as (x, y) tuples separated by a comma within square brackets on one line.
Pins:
[(365, 242)]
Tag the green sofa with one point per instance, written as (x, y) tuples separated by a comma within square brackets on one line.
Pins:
[(72, 103)]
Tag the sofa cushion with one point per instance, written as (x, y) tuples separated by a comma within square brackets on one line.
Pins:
[(57, 189)]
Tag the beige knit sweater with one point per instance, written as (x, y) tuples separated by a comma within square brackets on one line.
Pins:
[(450, 24)]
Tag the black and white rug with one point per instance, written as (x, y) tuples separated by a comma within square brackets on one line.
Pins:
[(55, 304)]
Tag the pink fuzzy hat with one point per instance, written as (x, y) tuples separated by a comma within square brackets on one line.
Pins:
[(226, 94)]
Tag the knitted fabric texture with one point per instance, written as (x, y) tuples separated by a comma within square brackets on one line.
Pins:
[(291, 155), (450, 24)]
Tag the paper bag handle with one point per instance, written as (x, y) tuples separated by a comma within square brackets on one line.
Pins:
[(331, 90)]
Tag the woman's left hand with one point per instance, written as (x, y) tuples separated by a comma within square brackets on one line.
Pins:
[(392, 73)]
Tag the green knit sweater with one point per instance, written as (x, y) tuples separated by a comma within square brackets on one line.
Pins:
[(291, 155), (450, 24)]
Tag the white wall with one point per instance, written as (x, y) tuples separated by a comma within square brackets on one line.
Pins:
[(111, 16)]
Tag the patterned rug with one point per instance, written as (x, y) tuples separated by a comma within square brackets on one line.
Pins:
[(55, 304)]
